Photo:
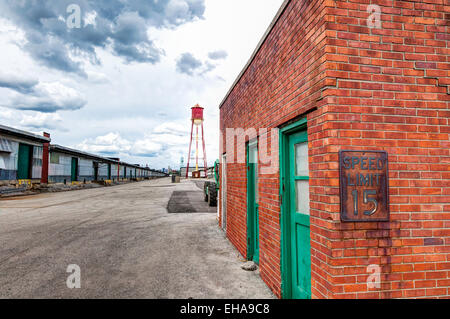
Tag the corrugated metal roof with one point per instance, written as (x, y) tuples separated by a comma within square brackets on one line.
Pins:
[(71, 151), (67, 150), (23, 134)]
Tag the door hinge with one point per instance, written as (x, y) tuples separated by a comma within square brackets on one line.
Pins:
[(281, 199)]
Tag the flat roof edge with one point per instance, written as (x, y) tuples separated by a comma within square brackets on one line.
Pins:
[(16, 132), (68, 150), (258, 47), (64, 149)]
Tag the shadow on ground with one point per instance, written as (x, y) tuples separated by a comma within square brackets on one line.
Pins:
[(189, 202)]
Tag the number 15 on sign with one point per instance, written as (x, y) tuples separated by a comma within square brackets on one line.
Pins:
[(363, 179)]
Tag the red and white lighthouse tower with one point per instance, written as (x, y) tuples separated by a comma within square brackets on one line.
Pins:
[(197, 121)]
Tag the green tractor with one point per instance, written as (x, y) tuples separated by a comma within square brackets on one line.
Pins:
[(211, 188)]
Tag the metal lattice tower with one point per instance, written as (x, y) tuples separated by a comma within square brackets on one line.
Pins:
[(197, 121)]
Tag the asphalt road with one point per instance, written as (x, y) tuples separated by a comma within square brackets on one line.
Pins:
[(125, 242)]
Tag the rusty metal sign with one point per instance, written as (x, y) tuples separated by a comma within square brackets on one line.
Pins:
[(363, 179)]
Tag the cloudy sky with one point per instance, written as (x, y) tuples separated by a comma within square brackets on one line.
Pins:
[(121, 83)]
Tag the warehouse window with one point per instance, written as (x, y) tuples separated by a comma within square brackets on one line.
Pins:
[(302, 177), (54, 158), (5, 145)]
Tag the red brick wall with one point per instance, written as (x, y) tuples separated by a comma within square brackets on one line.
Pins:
[(375, 89), (391, 94), (287, 72)]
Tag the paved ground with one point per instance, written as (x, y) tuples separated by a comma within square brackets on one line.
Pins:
[(189, 201), (126, 244)]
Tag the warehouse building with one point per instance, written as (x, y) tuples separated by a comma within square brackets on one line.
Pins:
[(70, 165), (352, 109), (21, 156), (27, 158), (152, 173)]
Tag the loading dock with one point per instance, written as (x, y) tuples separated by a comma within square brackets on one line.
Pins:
[(30, 159), (74, 165), (96, 171), (21, 156)]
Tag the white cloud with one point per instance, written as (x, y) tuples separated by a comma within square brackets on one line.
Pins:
[(171, 128), (113, 144), (188, 64), (6, 115), (110, 143), (49, 97), (169, 137), (218, 55), (17, 82), (177, 10), (41, 120), (97, 77), (138, 107), (32, 121), (145, 147)]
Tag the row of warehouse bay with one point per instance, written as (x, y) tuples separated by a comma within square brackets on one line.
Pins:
[(25, 156)]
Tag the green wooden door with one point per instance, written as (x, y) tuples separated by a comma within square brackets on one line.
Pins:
[(298, 219), (252, 203), (24, 161), (109, 171), (74, 169)]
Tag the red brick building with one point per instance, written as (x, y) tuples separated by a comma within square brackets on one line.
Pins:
[(331, 77)]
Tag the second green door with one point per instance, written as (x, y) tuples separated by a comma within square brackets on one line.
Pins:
[(298, 217), (252, 203)]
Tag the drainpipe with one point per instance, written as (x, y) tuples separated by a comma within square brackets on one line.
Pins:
[(45, 160)]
